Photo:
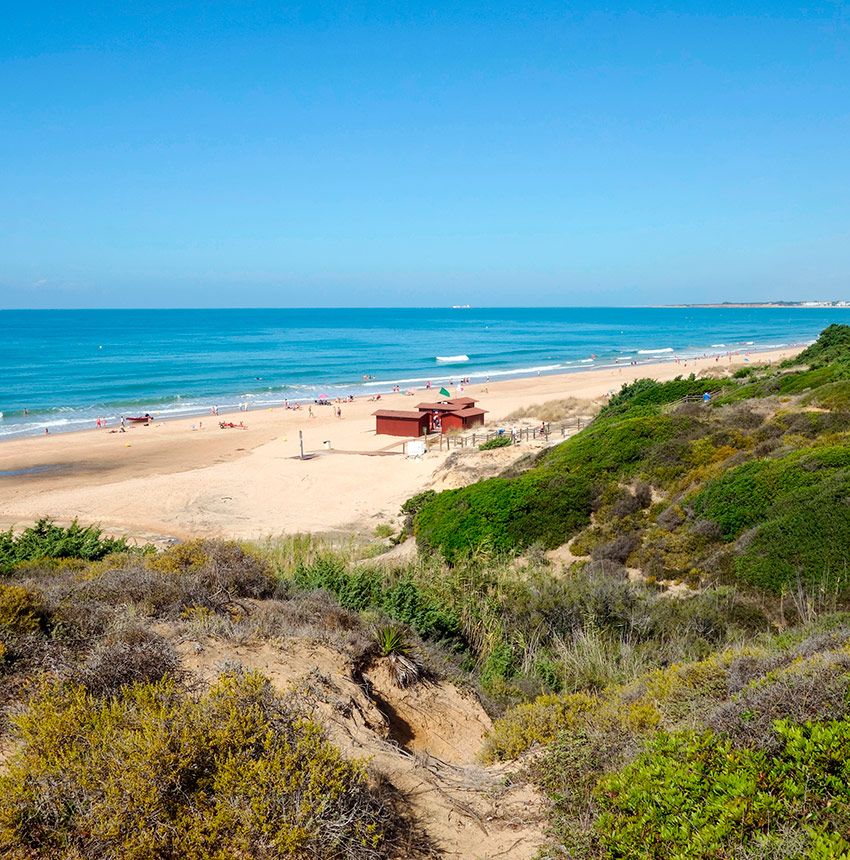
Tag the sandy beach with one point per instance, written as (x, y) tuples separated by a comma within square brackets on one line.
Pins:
[(188, 477)]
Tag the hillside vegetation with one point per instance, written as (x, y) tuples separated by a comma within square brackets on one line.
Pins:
[(751, 489), (743, 504), (677, 683)]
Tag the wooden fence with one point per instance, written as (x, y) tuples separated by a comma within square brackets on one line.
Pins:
[(699, 398), (544, 431)]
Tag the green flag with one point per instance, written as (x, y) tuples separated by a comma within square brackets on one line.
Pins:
[(445, 393)]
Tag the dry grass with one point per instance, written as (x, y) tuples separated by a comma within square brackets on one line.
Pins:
[(556, 410)]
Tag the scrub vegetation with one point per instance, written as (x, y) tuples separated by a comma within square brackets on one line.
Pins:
[(677, 680)]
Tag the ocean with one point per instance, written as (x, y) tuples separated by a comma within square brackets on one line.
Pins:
[(63, 369)]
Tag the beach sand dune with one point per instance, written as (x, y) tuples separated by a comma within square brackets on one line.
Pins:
[(177, 479)]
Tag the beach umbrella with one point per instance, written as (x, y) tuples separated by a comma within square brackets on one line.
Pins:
[(324, 397)]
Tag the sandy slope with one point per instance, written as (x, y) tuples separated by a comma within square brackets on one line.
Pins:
[(170, 480), (425, 740)]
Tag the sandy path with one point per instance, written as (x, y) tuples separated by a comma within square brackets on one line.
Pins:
[(169, 479)]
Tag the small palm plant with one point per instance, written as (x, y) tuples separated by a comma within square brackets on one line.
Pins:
[(393, 644)]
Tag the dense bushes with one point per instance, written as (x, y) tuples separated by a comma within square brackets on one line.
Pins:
[(831, 347), (648, 392), (495, 442), (834, 395), (797, 507), (550, 502), (506, 514), (155, 772), (223, 567), (131, 654), (370, 588), (21, 610), (806, 539), (620, 789), (45, 540), (695, 795)]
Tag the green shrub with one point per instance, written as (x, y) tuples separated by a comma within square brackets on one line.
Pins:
[(806, 539), (832, 346), (499, 665), (745, 371), (833, 395), (391, 639), (411, 508), (496, 442), (648, 392), (693, 795), (21, 609), (550, 502), (369, 588), (537, 723), (46, 540), (154, 772), (796, 509)]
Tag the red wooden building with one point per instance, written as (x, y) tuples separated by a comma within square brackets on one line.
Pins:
[(443, 416), (457, 413), (401, 422), (462, 419)]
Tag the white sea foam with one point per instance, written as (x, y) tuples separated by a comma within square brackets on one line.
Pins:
[(655, 351), (477, 375)]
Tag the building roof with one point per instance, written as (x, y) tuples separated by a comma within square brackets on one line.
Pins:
[(449, 405), (469, 413), (439, 407), (408, 415)]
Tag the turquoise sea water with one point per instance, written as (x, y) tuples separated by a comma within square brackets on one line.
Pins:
[(68, 367)]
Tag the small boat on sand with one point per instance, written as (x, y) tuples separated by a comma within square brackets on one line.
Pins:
[(139, 419)]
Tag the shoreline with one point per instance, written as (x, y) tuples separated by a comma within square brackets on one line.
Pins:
[(384, 388), (170, 481)]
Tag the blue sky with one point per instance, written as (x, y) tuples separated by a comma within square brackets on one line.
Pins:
[(259, 154)]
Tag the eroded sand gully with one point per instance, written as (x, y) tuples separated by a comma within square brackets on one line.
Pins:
[(425, 740)]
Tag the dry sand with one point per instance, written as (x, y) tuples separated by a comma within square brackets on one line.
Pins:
[(168, 480), (425, 740)]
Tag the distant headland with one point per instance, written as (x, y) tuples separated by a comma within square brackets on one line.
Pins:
[(837, 303)]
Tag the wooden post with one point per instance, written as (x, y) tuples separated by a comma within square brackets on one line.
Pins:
[(301, 442)]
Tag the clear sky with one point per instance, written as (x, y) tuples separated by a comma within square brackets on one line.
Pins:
[(553, 153)]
